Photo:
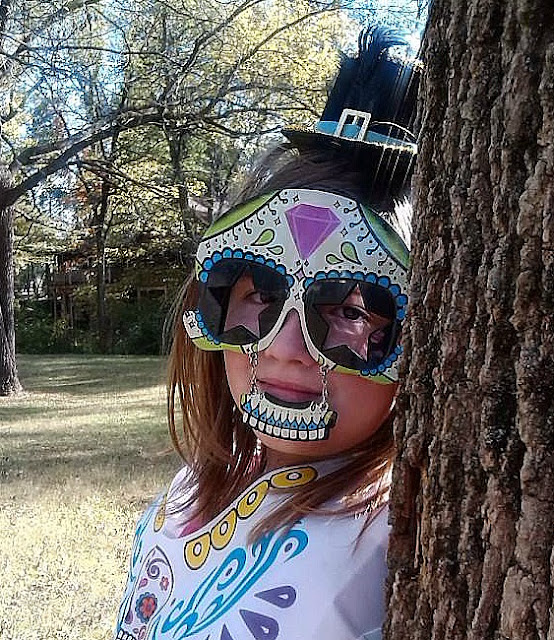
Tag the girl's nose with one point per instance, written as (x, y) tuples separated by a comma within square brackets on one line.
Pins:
[(289, 343)]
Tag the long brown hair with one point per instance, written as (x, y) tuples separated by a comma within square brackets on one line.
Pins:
[(222, 455)]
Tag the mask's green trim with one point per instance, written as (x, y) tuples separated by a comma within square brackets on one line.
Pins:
[(208, 345), (236, 215), (388, 237)]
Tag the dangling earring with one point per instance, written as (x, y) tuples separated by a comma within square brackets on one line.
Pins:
[(253, 358), (323, 371)]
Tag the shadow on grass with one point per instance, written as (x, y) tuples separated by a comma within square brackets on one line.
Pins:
[(112, 465), (51, 460), (81, 375), (82, 418), (15, 412), (114, 472), (20, 409)]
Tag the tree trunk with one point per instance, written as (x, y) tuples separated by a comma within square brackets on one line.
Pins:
[(101, 230), (9, 381), (176, 141), (471, 553), (177, 144)]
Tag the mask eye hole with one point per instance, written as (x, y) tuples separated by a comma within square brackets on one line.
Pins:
[(241, 300), (352, 323)]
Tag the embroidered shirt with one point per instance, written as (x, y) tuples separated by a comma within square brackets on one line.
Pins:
[(315, 581)]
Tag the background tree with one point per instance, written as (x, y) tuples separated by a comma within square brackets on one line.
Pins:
[(81, 74), (9, 382), (186, 77), (473, 501)]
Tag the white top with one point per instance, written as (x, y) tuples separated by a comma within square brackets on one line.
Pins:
[(316, 581)]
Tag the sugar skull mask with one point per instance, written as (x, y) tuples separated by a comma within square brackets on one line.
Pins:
[(339, 265)]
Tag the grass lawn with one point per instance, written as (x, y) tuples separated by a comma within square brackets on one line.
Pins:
[(82, 452)]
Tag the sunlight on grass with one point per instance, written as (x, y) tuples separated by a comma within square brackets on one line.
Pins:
[(82, 452)]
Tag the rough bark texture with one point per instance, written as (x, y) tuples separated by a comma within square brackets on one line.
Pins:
[(471, 553), (9, 382)]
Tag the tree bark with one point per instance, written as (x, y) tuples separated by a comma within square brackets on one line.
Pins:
[(9, 381), (101, 228), (177, 145), (471, 553)]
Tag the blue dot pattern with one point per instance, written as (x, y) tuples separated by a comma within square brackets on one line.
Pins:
[(400, 299)]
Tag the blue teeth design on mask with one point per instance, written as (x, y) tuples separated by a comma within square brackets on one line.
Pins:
[(288, 423)]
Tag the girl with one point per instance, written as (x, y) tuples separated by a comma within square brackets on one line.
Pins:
[(282, 379)]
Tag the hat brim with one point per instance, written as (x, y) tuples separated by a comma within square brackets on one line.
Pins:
[(387, 163)]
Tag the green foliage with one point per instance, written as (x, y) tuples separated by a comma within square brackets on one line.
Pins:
[(38, 332), (136, 328)]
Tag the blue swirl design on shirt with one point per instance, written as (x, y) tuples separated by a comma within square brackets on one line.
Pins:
[(136, 555), (226, 585)]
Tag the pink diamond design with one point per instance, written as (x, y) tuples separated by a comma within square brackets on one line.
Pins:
[(310, 226)]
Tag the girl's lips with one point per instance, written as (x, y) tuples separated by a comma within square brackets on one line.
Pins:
[(288, 391)]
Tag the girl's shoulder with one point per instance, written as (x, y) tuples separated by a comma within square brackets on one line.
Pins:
[(174, 507)]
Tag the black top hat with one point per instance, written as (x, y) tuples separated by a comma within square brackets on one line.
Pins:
[(370, 111)]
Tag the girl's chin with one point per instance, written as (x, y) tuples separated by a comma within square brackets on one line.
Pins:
[(298, 450)]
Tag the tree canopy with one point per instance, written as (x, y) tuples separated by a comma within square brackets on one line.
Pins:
[(125, 123)]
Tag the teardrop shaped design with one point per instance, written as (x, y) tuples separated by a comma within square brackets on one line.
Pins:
[(331, 258), (282, 597), (260, 626), (349, 252), (264, 238)]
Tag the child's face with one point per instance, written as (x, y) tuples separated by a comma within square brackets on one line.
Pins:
[(317, 253), (309, 281), (287, 371)]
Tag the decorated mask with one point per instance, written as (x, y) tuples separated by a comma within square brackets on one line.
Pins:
[(335, 262)]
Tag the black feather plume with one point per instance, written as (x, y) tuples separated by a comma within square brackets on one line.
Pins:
[(378, 83), (372, 82)]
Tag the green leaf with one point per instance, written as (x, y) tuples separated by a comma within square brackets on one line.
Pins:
[(264, 238), (349, 252)]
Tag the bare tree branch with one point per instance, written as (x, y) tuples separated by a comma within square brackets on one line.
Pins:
[(12, 59), (104, 169), (72, 146)]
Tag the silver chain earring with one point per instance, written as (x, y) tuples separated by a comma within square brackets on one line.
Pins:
[(323, 371), (253, 358), (263, 414)]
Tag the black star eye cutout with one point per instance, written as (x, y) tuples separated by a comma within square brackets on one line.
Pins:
[(241, 301), (351, 322)]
